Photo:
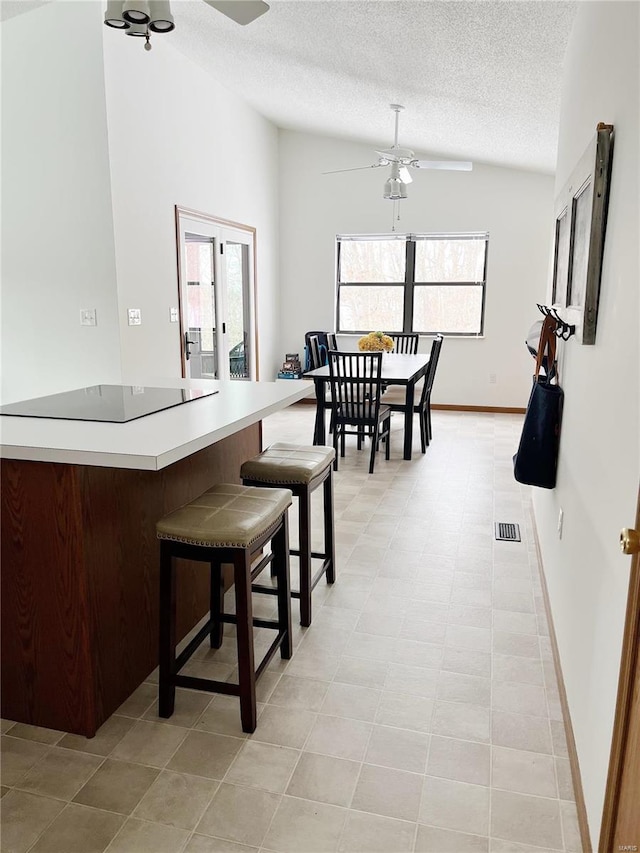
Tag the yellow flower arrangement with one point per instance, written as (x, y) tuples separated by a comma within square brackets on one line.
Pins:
[(375, 342)]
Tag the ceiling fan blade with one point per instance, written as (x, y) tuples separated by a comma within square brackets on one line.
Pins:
[(389, 156), (453, 165), (241, 11), (354, 169), (405, 175)]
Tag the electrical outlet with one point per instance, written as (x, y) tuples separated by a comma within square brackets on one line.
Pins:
[(88, 317), (492, 379), (135, 318), (173, 315), (560, 522)]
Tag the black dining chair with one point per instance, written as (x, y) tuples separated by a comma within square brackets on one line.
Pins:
[(315, 361), (425, 398), (332, 341), (395, 397), (314, 352), (356, 391), (404, 343)]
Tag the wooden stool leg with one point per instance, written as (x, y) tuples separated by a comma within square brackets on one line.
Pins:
[(304, 510), (329, 529), (244, 630), (216, 594), (280, 545), (167, 653)]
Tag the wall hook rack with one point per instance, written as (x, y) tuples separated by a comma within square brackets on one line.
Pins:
[(562, 330)]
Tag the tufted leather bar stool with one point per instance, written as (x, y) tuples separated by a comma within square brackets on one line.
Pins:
[(227, 524), (301, 469)]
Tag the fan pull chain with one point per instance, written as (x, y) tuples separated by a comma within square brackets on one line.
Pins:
[(395, 214)]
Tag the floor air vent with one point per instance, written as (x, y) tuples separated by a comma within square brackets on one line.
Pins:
[(507, 532)]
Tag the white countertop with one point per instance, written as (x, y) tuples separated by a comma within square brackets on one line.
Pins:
[(154, 441)]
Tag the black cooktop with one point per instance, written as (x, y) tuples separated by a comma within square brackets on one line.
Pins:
[(112, 403)]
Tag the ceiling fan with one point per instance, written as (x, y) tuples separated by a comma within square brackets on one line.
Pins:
[(142, 17), (401, 161)]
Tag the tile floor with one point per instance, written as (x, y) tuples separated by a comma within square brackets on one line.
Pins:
[(419, 713)]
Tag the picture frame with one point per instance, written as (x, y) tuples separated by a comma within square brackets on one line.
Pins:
[(580, 228)]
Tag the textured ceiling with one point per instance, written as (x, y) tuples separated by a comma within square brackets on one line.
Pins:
[(480, 80)]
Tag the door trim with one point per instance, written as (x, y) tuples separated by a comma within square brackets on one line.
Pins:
[(574, 765), (179, 211), (628, 662)]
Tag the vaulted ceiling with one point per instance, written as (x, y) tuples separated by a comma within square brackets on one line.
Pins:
[(480, 79)]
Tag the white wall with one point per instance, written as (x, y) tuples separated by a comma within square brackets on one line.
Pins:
[(57, 232), (600, 459), (178, 137), (80, 165), (516, 207)]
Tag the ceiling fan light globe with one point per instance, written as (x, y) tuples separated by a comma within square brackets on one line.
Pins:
[(136, 11), (161, 26), (137, 30), (113, 16), (394, 189), (161, 17), (117, 24)]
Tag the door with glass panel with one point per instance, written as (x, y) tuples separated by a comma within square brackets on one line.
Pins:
[(199, 320), (236, 272), (217, 313)]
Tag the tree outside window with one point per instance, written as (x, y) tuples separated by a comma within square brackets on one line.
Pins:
[(424, 283)]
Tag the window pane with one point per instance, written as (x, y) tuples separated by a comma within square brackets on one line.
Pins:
[(580, 225), (448, 309), (201, 307), (370, 308), (450, 260), (372, 260)]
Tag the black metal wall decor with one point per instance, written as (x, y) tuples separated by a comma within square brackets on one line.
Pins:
[(563, 329), (581, 221)]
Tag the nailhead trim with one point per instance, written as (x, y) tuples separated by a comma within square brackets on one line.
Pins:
[(201, 544), (258, 479)]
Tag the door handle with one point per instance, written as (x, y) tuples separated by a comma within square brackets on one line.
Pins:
[(629, 541), (187, 345)]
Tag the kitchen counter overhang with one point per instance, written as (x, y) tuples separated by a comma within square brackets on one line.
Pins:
[(80, 501), (154, 441)]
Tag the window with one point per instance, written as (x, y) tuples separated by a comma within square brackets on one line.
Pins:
[(424, 283)]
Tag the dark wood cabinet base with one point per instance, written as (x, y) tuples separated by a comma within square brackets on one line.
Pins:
[(80, 569)]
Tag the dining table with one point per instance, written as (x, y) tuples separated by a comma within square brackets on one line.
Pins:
[(397, 369)]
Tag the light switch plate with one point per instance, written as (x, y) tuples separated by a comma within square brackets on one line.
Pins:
[(88, 317), (173, 315), (135, 318)]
